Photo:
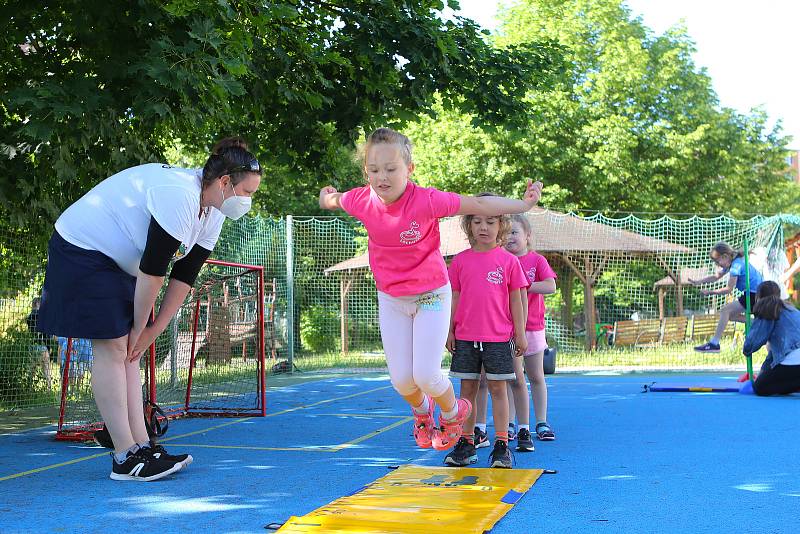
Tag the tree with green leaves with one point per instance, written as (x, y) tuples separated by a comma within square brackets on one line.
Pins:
[(90, 87), (633, 126)]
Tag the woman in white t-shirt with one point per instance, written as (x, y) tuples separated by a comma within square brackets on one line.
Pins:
[(107, 261)]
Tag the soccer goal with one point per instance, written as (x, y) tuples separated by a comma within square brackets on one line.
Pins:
[(210, 361)]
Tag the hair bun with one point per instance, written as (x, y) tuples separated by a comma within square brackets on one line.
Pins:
[(223, 145)]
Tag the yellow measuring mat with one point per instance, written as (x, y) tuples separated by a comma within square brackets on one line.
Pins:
[(422, 499)]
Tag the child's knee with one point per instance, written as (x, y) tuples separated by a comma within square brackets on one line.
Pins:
[(497, 387), (405, 386), (434, 385)]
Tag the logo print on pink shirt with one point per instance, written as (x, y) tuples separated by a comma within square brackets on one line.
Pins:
[(495, 277), (412, 235), (531, 274)]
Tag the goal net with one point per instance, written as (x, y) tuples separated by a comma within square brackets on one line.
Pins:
[(208, 362)]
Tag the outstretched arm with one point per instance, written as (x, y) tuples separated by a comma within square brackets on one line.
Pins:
[(707, 279), (501, 205), (723, 290), (330, 198), (785, 277)]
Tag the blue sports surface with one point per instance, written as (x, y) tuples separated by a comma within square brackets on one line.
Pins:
[(627, 461)]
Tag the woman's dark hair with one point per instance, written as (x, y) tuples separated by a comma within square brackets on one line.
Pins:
[(768, 301), (230, 156)]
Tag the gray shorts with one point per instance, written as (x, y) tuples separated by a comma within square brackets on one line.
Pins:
[(497, 358)]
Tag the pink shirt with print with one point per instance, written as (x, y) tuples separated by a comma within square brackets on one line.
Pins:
[(484, 280), (536, 269), (404, 238)]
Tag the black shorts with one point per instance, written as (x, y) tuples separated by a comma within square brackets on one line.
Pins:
[(85, 294), (752, 300), (497, 358)]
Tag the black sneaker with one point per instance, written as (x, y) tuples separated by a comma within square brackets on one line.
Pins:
[(524, 440), (501, 456), (708, 347), (142, 466), (158, 451), (481, 439), (462, 455)]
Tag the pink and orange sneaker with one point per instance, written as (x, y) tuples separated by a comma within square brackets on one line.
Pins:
[(424, 426), (448, 433)]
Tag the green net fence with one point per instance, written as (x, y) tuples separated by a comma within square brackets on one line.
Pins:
[(623, 294)]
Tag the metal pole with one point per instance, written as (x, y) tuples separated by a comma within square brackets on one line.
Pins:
[(290, 290), (747, 305)]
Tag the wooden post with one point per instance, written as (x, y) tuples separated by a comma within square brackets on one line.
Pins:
[(566, 283), (662, 292), (344, 290)]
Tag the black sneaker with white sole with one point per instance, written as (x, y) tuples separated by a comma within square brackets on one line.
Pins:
[(501, 456), (462, 455), (525, 441), (142, 466), (160, 452), (481, 439)]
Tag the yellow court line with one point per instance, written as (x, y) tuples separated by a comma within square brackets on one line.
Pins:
[(371, 434), (249, 448), (93, 456), (362, 415), (45, 468), (322, 448)]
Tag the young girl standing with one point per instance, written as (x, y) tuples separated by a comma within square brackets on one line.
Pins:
[(542, 282), (402, 222), (487, 314), (779, 324)]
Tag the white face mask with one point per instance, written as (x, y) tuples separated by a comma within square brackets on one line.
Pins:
[(234, 207)]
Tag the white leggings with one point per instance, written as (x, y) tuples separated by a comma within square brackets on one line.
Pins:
[(414, 332)]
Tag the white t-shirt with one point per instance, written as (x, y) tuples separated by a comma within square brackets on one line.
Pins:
[(113, 217)]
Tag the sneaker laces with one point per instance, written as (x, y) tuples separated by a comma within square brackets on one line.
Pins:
[(510, 452)]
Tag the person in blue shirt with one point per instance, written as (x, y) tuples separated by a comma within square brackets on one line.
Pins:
[(776, 324), (731, 262)]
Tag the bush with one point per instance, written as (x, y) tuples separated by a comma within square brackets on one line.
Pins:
[(18, 372), (318, 329)]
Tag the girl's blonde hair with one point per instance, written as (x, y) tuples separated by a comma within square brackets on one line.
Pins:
[(503, 220), (523, 221), (390, 137)]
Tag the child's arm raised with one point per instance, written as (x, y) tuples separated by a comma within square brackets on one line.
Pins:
[(501, 205), (515, 298), (330, 198)]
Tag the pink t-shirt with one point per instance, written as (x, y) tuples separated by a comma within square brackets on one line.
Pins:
[(404, 236), (536, 269), (484, 280)]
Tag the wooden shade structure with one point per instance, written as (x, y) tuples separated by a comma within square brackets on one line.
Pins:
[(584, 247)]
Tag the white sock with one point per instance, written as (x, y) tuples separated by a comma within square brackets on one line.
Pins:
[(424, 407), (450, 414), (481, 427), (145, 445), (714, 340), (526, 427), (120, 457)]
